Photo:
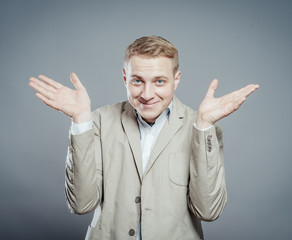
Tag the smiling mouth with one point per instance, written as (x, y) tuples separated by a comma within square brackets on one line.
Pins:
[(147, 105)]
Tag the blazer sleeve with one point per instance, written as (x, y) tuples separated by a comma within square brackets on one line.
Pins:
[(83, 170), (207, 188)]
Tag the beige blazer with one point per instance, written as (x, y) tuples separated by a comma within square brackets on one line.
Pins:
[(183, 183)]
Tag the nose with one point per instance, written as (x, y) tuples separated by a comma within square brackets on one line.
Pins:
[(148, 92)]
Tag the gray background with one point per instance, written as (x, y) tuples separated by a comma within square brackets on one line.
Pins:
[(238, 42)]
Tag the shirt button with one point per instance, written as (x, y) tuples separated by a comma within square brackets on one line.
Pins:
[(131, 232), (137, 200)]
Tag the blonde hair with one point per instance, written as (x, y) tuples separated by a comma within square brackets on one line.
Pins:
[(152, 46)]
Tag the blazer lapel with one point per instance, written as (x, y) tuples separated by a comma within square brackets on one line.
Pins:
[(170, 128), (131, 127)]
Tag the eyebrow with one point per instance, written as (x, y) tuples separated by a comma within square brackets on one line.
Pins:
[(137, 76), (156, 77), (161, 76)]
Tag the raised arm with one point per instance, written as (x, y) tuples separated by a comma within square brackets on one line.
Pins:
[(73, 103), (207, 196), (83, 178)]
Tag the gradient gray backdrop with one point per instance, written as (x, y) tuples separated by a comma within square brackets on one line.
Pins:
[(238, 42)]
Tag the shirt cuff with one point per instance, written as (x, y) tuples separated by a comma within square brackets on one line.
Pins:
[(202, 129), (78, 128)]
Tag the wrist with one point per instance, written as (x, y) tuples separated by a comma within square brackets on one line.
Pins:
[(201, 123), (82, 117)]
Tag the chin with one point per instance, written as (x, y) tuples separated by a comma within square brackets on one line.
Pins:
[(149, 117)]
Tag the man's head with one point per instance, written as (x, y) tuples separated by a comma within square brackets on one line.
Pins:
[(152, 47), (151, 75)]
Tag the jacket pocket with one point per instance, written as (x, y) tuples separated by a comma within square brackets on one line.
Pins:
[(179, 168)]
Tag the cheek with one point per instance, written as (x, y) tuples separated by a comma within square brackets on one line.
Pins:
[(133, 91), (166, 92)]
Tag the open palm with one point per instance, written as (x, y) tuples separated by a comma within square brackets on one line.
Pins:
[(213, 109), (73, 103)]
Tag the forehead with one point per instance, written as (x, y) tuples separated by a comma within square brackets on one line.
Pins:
[(139, 63)]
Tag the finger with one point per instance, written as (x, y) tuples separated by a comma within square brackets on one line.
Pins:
[(233, 105), (42, 84), (246, 91), (238, 102), (47, 101), (51, 82), (212, 88), (75, 80), (250, 86), (236, 106), (42, 91)]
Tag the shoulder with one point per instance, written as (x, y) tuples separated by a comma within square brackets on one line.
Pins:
[(183, 110), (109, 111)]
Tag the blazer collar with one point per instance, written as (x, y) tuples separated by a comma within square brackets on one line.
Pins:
[(131, 127)]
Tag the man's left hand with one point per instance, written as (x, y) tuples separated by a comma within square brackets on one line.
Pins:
[(213, 109)]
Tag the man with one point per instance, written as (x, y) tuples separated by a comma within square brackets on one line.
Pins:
[(150, 167)]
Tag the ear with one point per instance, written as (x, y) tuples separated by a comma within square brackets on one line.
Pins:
[(124, 77), (176, 79)]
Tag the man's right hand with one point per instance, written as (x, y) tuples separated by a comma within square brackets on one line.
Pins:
[(73, 103)]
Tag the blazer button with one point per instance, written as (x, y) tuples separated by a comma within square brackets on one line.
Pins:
[(137, 200), (131, 232)]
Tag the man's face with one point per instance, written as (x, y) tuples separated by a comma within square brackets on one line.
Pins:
[(150, 84)]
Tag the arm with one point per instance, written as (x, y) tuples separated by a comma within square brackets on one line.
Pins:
[(208, 196), (83, 164), (83, 179)]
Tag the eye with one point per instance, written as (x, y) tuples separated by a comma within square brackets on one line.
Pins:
[(136, 81), (160, 82)]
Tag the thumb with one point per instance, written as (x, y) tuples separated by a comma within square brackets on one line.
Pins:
[(75, 80), (212, 88)]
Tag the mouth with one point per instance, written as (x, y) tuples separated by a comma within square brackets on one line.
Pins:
[(148, 105)]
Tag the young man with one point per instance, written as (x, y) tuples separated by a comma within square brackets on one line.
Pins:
[(150, 167)]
